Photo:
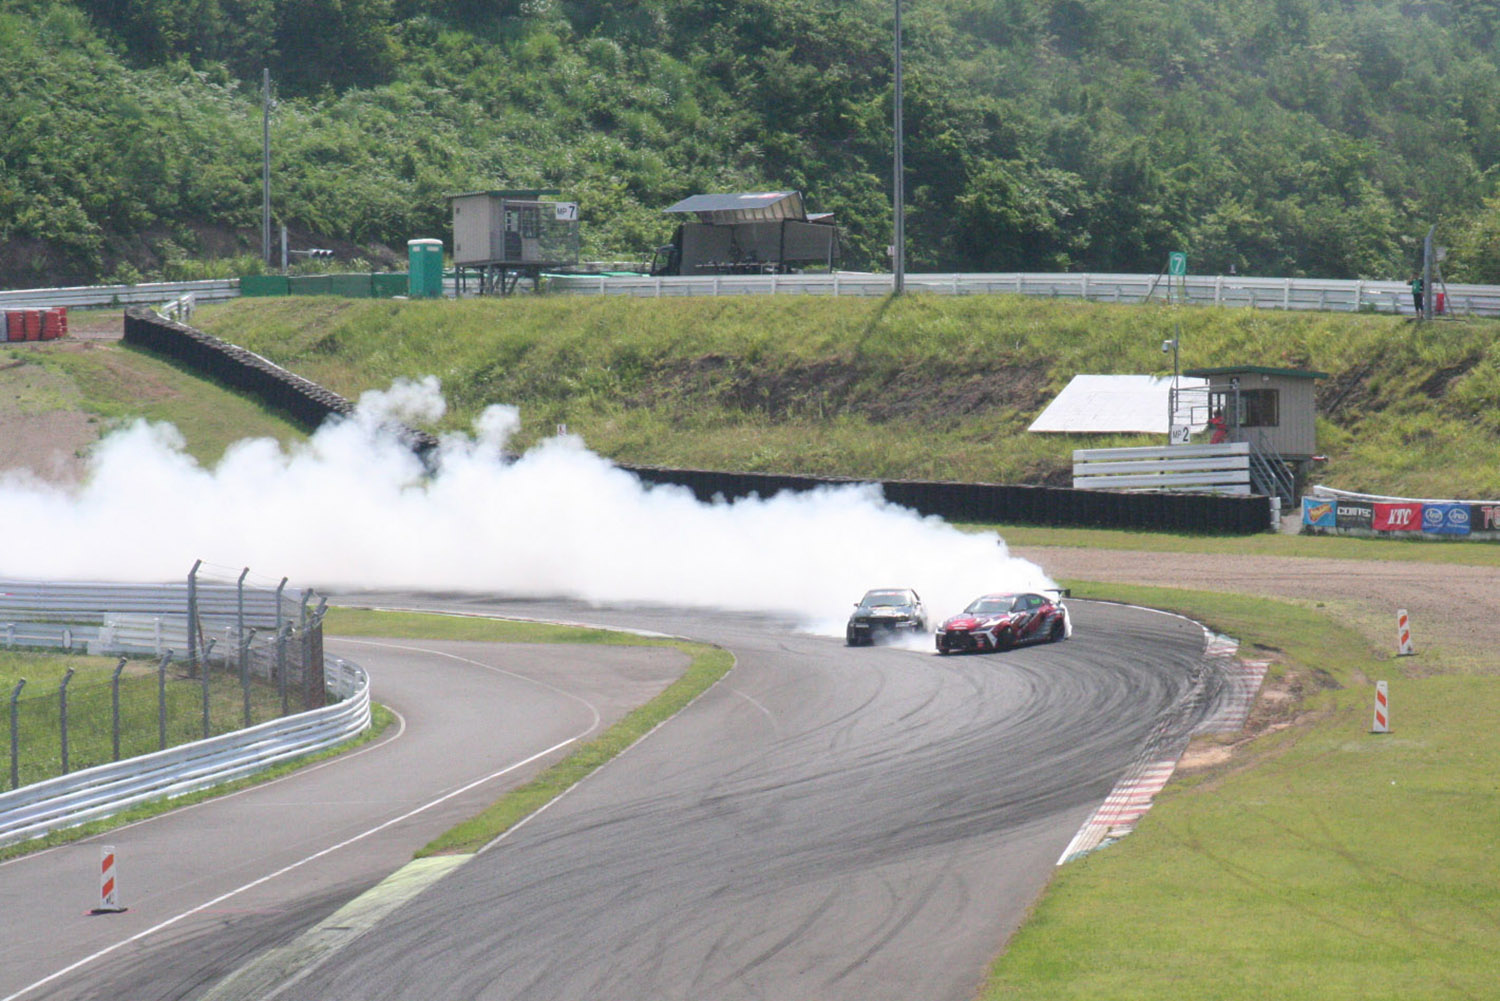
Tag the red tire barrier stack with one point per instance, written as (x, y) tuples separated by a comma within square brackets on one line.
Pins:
[(35, 324)]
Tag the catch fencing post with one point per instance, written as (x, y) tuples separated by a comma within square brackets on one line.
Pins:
[(114, 707), (62, 707), (192, 617), (161, 701), (282, 634), (245, 640), (208, 650), (15, 735)]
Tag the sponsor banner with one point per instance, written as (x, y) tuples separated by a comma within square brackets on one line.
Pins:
[(1445, 519), (1355, 514), (1403, 517), (1318, 513), (1484, 517)]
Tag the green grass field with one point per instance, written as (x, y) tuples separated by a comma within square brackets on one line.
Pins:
[(91, 711), (1319, 861)]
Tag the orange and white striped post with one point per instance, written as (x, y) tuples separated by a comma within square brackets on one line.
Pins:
[(1403, 634), (1382, 723), (109, 891)]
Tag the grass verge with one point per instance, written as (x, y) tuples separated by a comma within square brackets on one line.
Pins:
[(707, 665), (1469, 553), (1318, 861)]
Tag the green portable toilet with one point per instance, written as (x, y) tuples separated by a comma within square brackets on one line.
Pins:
[(425, 268)]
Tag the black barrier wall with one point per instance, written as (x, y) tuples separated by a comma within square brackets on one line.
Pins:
[(304, 401), (310, 404), (1217, 514)]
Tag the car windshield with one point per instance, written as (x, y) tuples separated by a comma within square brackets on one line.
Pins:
[(883, 599), (990, 604)]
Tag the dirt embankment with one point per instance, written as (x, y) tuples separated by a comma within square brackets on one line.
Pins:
[(44, 432)]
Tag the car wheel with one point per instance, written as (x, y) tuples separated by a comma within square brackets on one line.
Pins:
[(1059, 631), (1005, 639)]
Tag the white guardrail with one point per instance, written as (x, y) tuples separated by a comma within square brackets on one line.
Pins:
[(137, 618), (149, 294), (77, 798), (1338, 295)]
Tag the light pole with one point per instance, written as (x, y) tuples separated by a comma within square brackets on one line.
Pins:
[(898, 246), (265, 167)]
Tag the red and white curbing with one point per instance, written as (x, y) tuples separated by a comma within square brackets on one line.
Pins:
[(1382, 721), (1122, 808), (109, 895), (1404, 646), (1132, 796), (1244, 678)]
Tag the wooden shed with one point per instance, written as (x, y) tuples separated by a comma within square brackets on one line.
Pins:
[(1272, 408)]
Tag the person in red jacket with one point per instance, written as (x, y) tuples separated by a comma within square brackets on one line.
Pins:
[(1218, 430)]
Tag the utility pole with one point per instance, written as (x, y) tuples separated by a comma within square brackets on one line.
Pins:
[(265, 168), (898, 246)]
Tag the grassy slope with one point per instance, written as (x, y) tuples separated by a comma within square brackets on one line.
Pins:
[(115, 384), (921, 387)]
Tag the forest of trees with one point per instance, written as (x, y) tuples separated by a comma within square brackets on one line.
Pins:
[(1282, 137)]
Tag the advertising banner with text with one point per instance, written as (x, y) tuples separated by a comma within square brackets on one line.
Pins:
[(1354, 514), (1397, 517), (1445, 519)]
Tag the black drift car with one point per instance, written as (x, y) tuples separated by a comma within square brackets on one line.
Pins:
[(886, 613)]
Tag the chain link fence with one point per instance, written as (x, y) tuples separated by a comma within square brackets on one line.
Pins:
[(194, 660)]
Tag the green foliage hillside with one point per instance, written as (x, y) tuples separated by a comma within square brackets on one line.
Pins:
[(921, 387), (1289, 137)]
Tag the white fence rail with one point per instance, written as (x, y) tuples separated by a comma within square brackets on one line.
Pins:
[(149, 293), (1204, 290), (1198, 468), (104, 618), (92, 793)]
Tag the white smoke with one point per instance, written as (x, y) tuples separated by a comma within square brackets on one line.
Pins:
[(354, 508)]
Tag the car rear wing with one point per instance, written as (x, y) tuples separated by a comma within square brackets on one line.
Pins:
[(1061, 592)]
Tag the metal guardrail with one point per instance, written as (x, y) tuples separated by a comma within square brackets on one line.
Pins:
[(148, 293), (84, 601), (1203, 290), (92, 793), (1338, 295)]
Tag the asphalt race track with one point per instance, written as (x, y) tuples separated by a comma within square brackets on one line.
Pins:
[(210, 886), (825, 823)]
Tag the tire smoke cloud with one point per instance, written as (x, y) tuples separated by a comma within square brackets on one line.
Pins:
[(354, 508)]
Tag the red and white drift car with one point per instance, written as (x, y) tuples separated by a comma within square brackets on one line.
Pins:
[(1002, 621)]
